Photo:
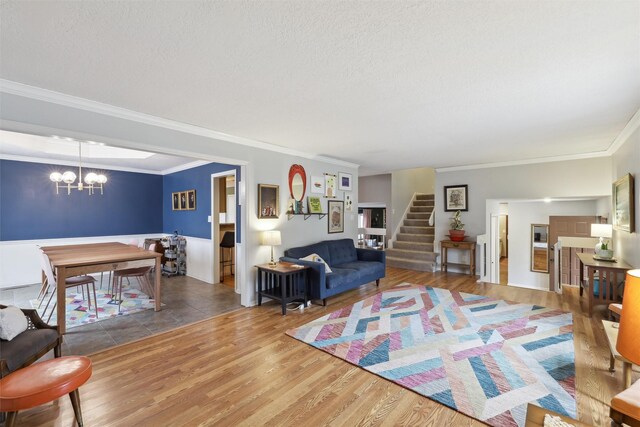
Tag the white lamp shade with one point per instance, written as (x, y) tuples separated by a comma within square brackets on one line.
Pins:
[(101, 179), (56, 177), (68, 177), (602, 230), (91, 178), (271, 238)]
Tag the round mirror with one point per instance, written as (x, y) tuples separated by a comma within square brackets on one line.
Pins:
[(297, 182)]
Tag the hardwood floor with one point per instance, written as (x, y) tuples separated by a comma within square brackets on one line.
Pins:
[(241, 369)]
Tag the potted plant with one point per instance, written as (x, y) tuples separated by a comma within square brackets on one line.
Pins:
[(456, 230)]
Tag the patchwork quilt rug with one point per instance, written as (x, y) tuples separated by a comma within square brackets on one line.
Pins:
[(484, 357), (79, 313)]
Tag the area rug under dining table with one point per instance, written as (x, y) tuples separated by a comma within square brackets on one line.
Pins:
[(79, 313), (481, 356)]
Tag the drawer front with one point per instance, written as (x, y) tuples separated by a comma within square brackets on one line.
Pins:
[(457, 245)]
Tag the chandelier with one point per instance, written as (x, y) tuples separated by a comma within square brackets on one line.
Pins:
[(92, 181)]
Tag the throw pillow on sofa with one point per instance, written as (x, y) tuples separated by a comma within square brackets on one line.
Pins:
[(317, 258), (13, 322)]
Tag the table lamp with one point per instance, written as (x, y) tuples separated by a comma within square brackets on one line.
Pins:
[(603, 231), (628, 344), (271, 238)]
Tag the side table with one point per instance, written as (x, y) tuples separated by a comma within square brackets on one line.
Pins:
[(470, 246), (606, 273), (284, 282)]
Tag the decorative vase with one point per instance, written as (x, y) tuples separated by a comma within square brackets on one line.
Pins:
[(605, 253), (456, 235)]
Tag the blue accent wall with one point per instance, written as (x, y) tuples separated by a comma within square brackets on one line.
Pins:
[(194, 223), (31, 209)]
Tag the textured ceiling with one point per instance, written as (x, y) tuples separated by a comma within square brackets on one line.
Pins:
[(388, 85)]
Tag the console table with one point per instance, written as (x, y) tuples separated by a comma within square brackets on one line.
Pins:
[(470, 246), (284, 283), (609, 275)]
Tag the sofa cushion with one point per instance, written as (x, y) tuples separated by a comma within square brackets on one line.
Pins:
[(320, 249), (317, 258), (341, 251), (341, 277), (12, 322), (26, 345), (365, 268)]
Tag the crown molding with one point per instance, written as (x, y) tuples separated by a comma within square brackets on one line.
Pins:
[(525, 162), (46, 95), (632, 125)]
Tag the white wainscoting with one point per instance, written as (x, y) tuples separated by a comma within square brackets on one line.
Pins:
[(20, 259), (200, 259)]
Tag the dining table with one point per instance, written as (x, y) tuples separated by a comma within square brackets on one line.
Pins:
[(77, 260)]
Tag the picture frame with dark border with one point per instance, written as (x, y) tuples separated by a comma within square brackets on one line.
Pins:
[(175, 201), (622, 196), (183, 200), (456, 198), (191, 200), (268, 201), (335, 222)]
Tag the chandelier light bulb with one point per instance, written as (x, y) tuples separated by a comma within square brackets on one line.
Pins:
[(68, 177), (91, 178), (92, 181)]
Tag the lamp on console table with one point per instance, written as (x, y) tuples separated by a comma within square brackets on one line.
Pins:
[(272, 238), (628, 344)]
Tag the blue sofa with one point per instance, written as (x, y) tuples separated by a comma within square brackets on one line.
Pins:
[(351, 267)]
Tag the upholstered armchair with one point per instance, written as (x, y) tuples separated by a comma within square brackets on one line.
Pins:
[(30, 345)]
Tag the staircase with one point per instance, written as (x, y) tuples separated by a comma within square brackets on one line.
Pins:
[(413, 244)]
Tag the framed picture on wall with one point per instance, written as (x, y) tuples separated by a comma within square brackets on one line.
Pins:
[(329, 185), (183, 200), (344, 181), (624, 204), (455, 198), (191, 200), (317, 184), (175, 201), (336, 216), (348, 201), (268, 201)]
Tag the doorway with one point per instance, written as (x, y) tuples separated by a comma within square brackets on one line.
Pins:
[(223, 228), (567, 226), (503, 225)]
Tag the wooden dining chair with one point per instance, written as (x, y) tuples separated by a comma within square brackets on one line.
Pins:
[(82, 281), (140, 273)]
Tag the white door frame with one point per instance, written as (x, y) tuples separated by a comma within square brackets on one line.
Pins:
[(494, 249), (215, 235)]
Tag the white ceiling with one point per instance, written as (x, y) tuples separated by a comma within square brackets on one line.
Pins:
[(386, 84), (19, 146)]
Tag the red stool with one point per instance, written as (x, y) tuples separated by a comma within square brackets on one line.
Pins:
[(44, 382)]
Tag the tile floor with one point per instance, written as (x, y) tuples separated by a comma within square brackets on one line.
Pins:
[(186, 300)]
